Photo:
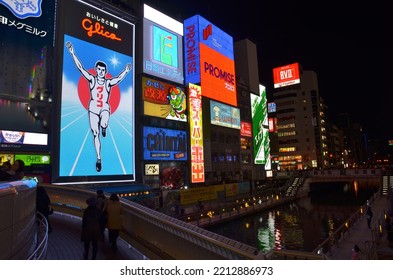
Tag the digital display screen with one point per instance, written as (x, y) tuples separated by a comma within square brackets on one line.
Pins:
[(162, 46)]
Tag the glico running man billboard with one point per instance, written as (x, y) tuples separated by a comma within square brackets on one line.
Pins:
[(209, 60), (96, 108)]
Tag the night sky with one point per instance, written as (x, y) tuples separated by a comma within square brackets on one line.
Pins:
[(349, 47)]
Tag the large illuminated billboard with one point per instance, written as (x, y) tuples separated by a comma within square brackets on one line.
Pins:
[(209, 59), (224, 115), (26, 57), (162, 46), (164, 144), (286, 75), (196, 134), (260, 127), (96, 96), (164, 100)]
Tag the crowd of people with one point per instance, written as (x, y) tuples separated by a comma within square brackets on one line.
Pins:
[(12, 172)]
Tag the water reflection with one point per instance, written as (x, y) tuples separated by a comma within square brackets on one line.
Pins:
[(301, 225)]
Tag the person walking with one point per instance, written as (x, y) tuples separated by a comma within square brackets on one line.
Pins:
[(369, 216), (92, 221), (102, 205), (114, 222)]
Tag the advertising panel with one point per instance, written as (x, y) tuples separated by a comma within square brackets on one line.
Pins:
[(271, 107), (286, 75), (209, 59), (164, 100), (162, 46), (164, 144), (33, 159), (26, 56), (260, 127), (196, 134), (245, 129), (224, 115), (96, 95)]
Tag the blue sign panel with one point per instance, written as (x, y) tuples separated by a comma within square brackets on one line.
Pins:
[(164, 144)]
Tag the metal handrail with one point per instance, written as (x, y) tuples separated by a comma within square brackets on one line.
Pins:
[(42, 238)]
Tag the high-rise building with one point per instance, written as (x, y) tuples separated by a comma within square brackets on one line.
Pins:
[(301, 123)]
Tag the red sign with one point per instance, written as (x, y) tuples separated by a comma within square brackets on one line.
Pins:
[(245, 129), (286, 75)]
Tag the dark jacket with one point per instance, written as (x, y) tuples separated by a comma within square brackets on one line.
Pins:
[(42, 201), (92, 222)]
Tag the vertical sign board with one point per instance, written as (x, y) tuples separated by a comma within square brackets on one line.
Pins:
[(286, 75), (196, 134), (162, 46), (260, 127), (26, 55), (96, 95), (209, 60)]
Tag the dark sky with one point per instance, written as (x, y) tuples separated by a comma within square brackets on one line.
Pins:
[(349, 47)]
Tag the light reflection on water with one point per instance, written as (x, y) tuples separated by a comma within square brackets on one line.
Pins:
[(301, 225)]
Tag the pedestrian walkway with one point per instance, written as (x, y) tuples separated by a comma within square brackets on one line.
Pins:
[(361, 235), (64, 242)]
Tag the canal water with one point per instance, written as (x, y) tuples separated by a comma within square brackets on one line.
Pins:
[(301, 225)]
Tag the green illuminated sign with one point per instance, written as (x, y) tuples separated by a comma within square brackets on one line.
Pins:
[(34, 159)]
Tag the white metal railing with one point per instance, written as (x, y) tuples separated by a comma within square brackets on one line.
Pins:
[(41, 239)]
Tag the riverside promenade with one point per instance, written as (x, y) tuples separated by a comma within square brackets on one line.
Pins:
[(372, 242)]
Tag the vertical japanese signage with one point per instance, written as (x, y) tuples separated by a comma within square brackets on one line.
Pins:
[(260, 128), (96, 93), (209, 59), (162, 46), (196, 134)]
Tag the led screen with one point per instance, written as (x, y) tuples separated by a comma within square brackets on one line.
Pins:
[(224, 115), (26, 56), (96, 122), (162, 46), (209, 59)]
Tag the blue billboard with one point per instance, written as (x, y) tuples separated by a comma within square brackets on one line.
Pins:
[(164, 144)]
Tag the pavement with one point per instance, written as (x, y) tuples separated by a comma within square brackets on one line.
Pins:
[(64, 242), (364, 237)]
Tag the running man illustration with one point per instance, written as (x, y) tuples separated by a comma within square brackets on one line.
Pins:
[(100, 88)]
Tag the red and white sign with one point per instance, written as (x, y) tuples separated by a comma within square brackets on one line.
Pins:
[(286, 75)]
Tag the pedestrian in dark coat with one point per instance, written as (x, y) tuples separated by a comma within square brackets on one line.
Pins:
[(92, 222), (43, 205), (369, 216)]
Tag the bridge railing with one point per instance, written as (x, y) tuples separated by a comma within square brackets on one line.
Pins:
[(159, 235)]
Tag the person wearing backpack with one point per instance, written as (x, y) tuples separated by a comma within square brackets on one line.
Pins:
[(92, 222)]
